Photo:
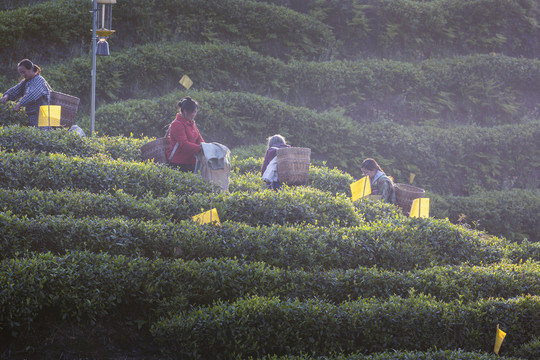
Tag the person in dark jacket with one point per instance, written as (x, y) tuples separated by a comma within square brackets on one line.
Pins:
[(269, 166), (31, 92), (185, 139), (381, 184)]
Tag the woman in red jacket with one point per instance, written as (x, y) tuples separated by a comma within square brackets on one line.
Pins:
[(184, 137)]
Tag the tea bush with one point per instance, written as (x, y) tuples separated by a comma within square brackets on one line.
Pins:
[(24, 138), (96, 174), (417, 30), (142, 289), (403, 355), (291, 206), (8, 116), (484, 90), (263, 325), (404, 30), (415, 244), (503, 213), (67, 22)]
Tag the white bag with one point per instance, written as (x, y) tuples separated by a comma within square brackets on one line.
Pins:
[(270, 174)]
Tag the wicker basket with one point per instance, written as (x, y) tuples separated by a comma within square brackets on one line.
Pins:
[(405, 194), (69, 104), (293, 165), (156, 150)]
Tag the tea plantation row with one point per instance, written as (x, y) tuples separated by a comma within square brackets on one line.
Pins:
[(262, 325), (483, 90), (292, 206), (133, 282), (413, 244), (82, 286)]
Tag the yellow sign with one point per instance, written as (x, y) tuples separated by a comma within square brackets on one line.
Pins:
[(499, 337), (185, 81), (360, 188), (207, 217), (411, 177), (420, 208), (49, 115)]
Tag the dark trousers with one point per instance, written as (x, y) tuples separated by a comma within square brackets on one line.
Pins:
[(183, 167)]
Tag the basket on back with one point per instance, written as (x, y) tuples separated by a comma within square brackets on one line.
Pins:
[(293, 165), (156, 150), (405, 194), (69, 104)]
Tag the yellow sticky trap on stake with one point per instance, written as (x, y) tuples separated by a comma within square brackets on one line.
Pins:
[(420, 208), (49, 115), (185, 81), (207, 217), (360, 188), (499, 337), (411, 178)]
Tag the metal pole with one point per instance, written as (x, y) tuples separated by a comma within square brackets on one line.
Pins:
[(93, 91)]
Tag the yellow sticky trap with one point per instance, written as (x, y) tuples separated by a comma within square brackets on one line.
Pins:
[(49, 115), (207, 217), (499, 337), (360, 188), (411, 178), (185, 81), (420, 208)]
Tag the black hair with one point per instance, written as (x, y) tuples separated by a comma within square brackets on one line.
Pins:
[(29, 65), (370, 164), (187, 104)]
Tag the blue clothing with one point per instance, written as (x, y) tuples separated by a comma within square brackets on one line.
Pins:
[(31, 94)]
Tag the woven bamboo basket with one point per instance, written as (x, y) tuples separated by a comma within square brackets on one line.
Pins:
[(293, 165), (405, 194), (69, 104), (156, 150)]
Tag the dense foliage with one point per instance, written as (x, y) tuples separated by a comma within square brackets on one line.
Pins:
[(100, 257)]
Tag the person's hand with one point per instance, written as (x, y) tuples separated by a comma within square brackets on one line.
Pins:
[(4, 98), (17, 107)]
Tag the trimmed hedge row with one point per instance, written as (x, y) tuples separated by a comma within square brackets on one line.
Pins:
[(23, 138), (411, 244), (143, 288), (512, 213), (262, 325), (407, 355), (290, 206), (96, 174), (481, 89)]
